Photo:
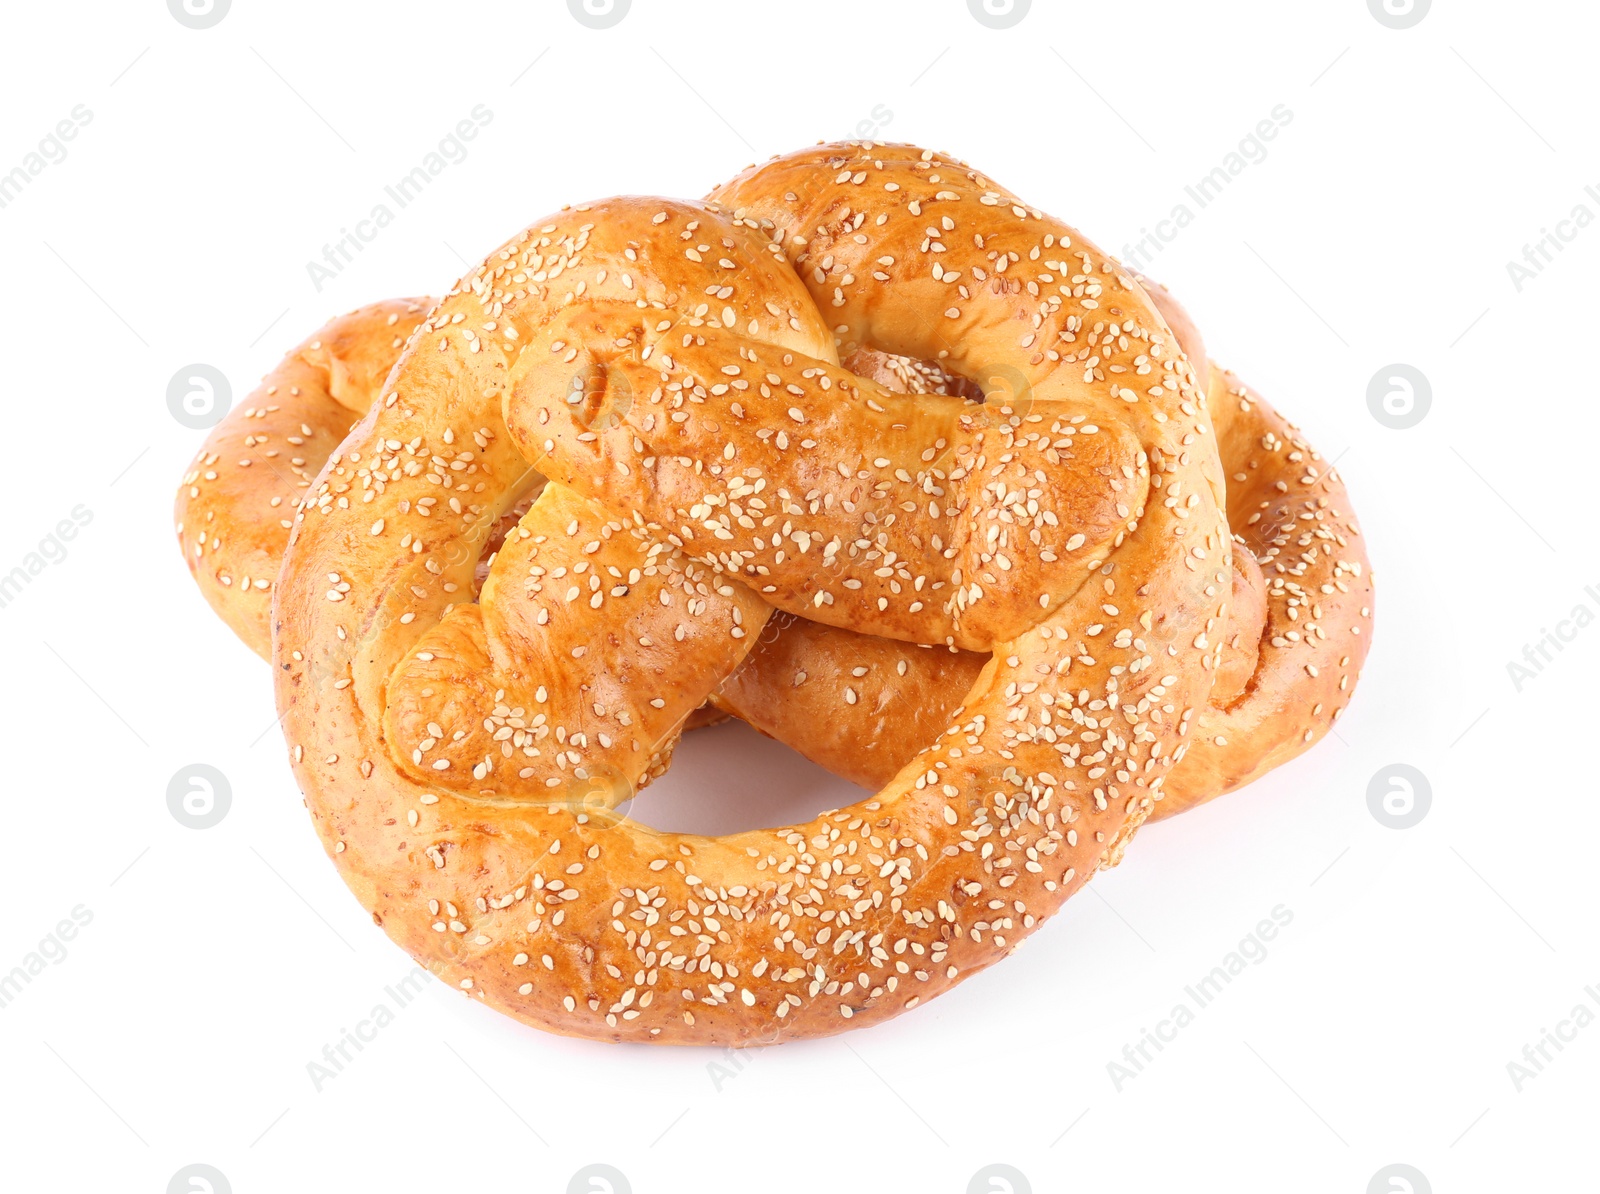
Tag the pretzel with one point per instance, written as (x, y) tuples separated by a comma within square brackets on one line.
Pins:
[(862, 707), (1239, 735), (672, 369)]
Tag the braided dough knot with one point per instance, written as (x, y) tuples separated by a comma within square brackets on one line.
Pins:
[(673, 369)]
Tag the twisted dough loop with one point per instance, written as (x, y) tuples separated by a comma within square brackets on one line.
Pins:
[(856, 704), (1295, 641), (235, 508), (1041, 535)]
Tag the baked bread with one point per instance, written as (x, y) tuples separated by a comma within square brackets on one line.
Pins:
[(623, 449), (236, 505), (1297, 634)]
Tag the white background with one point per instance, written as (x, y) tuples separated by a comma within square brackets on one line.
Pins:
[(1419, 962)]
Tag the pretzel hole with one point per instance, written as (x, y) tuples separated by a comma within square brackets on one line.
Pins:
[(993, 394), (709, 789), (910, 375)]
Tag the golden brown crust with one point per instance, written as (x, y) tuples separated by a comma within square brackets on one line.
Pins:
[(1247, 618), (1292, 509), (236, 505), (234, 508), (857, 704), (790, 687), (672, 368), (664, 645), (1183, 328), (1297, 633)]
